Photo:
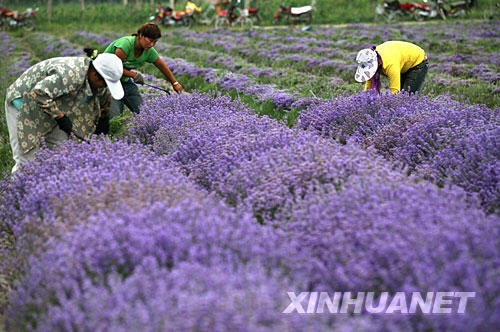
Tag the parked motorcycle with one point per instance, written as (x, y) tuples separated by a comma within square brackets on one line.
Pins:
[(233, 16), (14, 19), (393, 11), (427, 11), (168, 17), (293, 15), (455, 9), (254, 15)]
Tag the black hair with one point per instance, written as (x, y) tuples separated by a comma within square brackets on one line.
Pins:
[(149, 30), (91, 52)]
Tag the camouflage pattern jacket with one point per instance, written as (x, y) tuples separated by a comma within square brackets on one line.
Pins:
[(52, 87)]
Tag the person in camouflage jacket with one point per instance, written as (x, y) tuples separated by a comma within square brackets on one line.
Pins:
[(58, 97)]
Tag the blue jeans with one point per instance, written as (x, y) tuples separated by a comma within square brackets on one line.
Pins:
[(132, 98)]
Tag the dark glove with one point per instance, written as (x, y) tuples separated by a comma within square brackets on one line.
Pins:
[(65, 124), (102, 126), (139, 79)]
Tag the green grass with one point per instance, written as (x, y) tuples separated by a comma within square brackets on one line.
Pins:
[(100, 17)]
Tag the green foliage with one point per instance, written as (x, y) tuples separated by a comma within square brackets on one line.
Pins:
[(101, 16)]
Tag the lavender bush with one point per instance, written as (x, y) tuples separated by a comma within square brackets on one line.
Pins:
[(432, 136), (381, 235), (111, 219), (121, 236), (108, 232)]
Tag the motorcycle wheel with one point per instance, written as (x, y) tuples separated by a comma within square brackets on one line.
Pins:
[(308, 17), (442, 14), (391, 17), (29, 25), (208, 16), (417, 15), (256, 19), (245, 22), (276, 20), (188, 21), (221, 22)]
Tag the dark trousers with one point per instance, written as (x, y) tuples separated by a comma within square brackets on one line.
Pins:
[(132, 99), (413, 79)]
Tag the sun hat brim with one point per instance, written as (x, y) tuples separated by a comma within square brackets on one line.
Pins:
[(110, 67), (116, 89), (367, 65)]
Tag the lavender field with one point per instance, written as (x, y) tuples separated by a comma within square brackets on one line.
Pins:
[(275, 174)]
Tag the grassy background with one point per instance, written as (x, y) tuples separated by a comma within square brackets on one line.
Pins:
[(113, 16)]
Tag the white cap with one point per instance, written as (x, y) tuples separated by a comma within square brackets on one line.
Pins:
[(110, 67), (367, 65)]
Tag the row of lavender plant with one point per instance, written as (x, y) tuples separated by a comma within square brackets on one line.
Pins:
[(293, 49), (273, 46), (440, 139), (14, 61), (240, 64), (20, 63), (49, 46), (227, 81), (366, 225), (443, 159), (266, 48), (113, 238)]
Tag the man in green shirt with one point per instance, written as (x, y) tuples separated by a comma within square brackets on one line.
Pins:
[(134, 51)]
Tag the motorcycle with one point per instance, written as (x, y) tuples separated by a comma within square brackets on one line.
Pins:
[(14, 19), (455, 9), (233, 17), (254, 15), (392, 11), (168, 17), (432, 10), (292, 15)]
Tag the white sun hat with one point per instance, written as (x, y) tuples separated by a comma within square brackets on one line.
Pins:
[(110, 67), (367, 65)]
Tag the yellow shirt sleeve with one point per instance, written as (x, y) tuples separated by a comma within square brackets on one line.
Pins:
[(368, 85), (394, 75)]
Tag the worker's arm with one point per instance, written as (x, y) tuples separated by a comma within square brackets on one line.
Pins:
[(394, 75), (121, 54), (168, 74), (45, 92), (368, 85)]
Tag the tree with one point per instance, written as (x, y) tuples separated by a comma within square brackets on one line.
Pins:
[(50, 10)]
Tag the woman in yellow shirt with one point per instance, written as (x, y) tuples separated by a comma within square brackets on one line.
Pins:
[(405, 64)]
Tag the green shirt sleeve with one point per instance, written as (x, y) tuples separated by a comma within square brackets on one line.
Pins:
[(125, 43)]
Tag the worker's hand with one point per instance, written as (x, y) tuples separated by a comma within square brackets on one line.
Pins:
[(138, 78), (177, 87), (65, 124), (102, 126)]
